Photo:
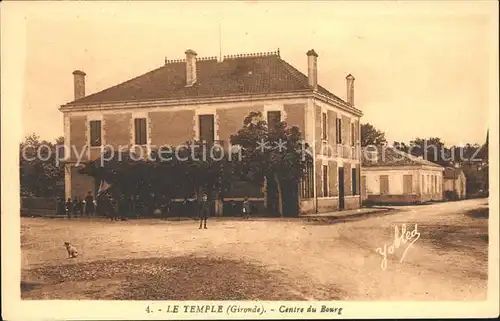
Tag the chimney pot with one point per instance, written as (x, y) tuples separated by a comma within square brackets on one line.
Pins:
[(312, 68), (190, 67), (79, 84), (350, 89)]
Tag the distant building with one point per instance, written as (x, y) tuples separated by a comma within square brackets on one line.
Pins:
[(391, 176), (204, 99), (454, 183)]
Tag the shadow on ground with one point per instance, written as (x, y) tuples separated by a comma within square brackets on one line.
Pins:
[(479, 213), (179, 278), (344, 219)]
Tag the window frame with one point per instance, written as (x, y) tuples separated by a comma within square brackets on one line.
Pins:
[(324, 174), (324, 126), (91, 132), (386, 178), (338, 125), (269, 126), (354, 181), (353, 139), (213, 128), (408, 191), (145, 131)]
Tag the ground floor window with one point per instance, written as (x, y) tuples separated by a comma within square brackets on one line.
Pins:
[(325, 180), (407, 184), (307, 182), (354, 182), (384, 184)]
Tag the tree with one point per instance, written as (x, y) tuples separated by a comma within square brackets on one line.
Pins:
[(41, 174), (276, 155), (473, 159), (431, 149), (371, 136)]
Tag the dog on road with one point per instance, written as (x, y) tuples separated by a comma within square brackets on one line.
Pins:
[(72, 252)]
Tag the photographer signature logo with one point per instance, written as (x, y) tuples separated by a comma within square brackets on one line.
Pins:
[(400, 239)]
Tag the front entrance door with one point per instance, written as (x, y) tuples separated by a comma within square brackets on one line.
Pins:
[(341, 188)]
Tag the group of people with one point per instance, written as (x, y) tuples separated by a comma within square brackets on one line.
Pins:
[(77, 206), (118, 207)]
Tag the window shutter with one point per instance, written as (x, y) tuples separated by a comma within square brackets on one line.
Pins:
[(407, 184), (384, 184)]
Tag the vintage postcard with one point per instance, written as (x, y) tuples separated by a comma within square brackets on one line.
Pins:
[(249, 159)]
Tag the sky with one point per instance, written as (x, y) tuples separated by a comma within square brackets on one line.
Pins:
[(423, 69)]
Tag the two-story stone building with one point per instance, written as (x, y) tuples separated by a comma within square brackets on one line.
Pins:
[(207, 99)]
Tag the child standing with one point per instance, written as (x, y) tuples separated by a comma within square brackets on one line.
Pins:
[(204, 209)]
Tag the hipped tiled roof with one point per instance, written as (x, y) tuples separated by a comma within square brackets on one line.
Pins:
[(388, 156), (236, 75)]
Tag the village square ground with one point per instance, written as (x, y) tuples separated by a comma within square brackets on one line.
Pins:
[(262, 258)]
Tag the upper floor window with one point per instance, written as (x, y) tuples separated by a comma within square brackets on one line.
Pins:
[(324, 124), (353, 132), (273, 119), (207, 126), (140, 131), (339, 131), (95, 133)]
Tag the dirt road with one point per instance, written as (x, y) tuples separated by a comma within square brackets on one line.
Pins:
[(447, 261)]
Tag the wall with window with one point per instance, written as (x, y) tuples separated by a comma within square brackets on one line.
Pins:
[(389, 185), (337, 132)]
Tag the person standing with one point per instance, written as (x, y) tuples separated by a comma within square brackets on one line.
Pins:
[(204, 210), (89, 204), (121, 207), (80, 206), (74, 206), (246, 208), (69, 207), (113, 208), (61, 206)]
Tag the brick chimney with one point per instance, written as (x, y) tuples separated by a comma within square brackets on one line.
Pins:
[(79, 83), (350, 89), (312, 68), (190, 67)]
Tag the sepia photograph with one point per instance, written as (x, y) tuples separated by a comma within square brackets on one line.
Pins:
[(249, 159)]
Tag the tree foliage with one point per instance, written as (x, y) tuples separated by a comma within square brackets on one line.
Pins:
[(41, 174), (471, 158), (371, 136), (164, 173)]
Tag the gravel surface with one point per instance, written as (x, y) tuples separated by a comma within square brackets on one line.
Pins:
[(261, 259)]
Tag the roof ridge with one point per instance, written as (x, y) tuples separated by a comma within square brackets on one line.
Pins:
[(171, 61), (253, 55)]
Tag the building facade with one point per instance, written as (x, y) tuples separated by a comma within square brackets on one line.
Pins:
[(454, 183), (393, 177), (207, 99)]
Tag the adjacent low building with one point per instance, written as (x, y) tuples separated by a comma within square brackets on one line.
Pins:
[(454, 183), (390, 176)]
